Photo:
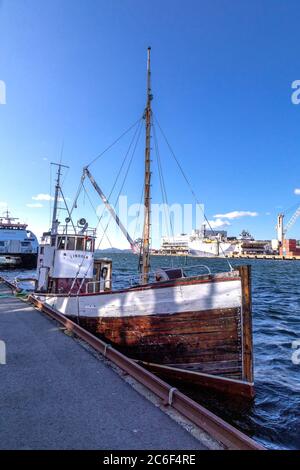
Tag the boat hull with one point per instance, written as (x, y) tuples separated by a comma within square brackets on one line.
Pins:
[(213, 249), (206, 341), (190, 327)]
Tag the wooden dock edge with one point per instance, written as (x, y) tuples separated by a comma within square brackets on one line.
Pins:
[(246, 323), (217, 383)]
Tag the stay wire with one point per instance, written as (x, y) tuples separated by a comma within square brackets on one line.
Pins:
[(114, 142), (190, 186), (169, 224), (138, 215), (100, 218), (95, 210), (125, 177), (138, 130), (162, 179), (50, 193), (99, 244)]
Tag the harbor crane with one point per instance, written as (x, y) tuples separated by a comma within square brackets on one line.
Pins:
[(281, 229)]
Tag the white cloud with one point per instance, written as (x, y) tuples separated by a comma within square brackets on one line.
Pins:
[(236, 215), (47, 197), (218, 223), (3, 204), (42, 197), (297, 191), (35, 205)]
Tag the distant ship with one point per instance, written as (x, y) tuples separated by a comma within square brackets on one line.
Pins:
[(18, 246), (203, 243), (213, 243)]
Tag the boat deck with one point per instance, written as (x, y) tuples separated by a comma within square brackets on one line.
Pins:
[(55, 394)]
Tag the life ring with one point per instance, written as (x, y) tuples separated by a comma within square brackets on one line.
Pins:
[(104, 272)]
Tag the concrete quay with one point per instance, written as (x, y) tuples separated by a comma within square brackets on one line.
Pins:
[(55, 394)]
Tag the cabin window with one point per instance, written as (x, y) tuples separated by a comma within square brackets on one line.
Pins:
[(25, 243), (1, 243), (42, 250), (71, 243), (53, 240), (61, 243), (80, 244), (89, 245)]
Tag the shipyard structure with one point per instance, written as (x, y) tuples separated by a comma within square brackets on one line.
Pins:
[(287, 247)]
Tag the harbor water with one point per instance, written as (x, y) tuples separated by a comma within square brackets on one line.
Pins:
[(273, 417)]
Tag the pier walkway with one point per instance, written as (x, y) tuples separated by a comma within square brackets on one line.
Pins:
[(55, 394)]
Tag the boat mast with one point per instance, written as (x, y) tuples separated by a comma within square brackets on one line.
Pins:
[(147, 196), (56, 197)]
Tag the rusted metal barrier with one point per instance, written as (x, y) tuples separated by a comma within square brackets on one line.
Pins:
[(223, 432)]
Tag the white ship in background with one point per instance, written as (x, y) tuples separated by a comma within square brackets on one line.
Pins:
[(18, 246), (203, 243), (214, 243)]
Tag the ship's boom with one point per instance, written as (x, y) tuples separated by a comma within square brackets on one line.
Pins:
[(135, 248)]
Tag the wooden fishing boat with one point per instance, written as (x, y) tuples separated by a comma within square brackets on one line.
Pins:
[(192, 328), (196, 329)]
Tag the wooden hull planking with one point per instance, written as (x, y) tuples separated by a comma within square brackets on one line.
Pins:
[(196, 331)]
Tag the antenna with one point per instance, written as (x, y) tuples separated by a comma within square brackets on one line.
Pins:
[(55, 222)]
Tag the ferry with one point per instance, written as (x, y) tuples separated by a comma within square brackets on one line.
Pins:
[(18, 246)]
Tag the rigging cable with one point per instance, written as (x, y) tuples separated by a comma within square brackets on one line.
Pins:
[(115, 141), (100, 155), (95, 210), (167, 212), (138, 214), (125, 177), (81, 186), (50, 194), (190, 186), (99, 220), (137, 131), (135, 230)]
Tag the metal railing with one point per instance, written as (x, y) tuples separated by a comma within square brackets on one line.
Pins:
[(133, 280), (102, 286)]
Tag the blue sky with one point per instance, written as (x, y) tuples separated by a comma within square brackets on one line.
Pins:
[(222, 74)]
